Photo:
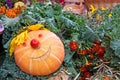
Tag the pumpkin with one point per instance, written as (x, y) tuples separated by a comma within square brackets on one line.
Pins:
[(41, 54)]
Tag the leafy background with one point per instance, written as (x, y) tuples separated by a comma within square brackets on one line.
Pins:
[(68, 27)]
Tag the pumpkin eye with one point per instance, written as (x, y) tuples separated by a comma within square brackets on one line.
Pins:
[(40, 35), (24, 44), (35, 43)]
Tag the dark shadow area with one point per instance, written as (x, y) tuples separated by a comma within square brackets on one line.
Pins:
[(2, 53)]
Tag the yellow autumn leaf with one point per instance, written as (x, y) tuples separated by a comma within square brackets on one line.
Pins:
[(93, 9), (19, 39), (35, 27), (103, 8), (110, 14)]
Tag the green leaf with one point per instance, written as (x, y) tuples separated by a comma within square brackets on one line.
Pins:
[(90, 35), (71, 69), (115, 45)]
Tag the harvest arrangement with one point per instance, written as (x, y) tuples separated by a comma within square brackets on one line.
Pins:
[(42, 41)]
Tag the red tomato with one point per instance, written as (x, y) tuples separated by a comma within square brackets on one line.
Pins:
[(34, 43)]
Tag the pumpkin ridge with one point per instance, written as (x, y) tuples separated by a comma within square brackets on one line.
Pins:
[(18, 50), (47, 66), (22, 57), (47, 37), (56, 58), (46, 54), (30, 67)]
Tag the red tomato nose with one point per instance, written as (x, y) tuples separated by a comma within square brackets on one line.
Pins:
[(35, 43)]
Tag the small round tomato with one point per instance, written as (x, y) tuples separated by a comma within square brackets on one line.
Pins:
[(34, 43)]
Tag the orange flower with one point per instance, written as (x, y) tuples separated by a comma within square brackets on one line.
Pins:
[(11, 13), (106, 78), (2, 9), (17, 10), (88, 63)]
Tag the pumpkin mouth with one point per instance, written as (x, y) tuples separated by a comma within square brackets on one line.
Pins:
[(43, 56), (35, 43)]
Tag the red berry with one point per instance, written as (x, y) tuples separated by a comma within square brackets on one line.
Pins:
[(73, 45), (97, 42), (87, 75), (35, 43)]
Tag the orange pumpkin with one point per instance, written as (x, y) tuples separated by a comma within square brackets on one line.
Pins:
[(41, 54)]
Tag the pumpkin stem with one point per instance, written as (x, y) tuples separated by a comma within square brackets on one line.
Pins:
[(35, 43)]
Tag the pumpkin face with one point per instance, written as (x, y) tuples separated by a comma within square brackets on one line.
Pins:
[(41, 54)]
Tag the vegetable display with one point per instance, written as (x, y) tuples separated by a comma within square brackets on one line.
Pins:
[(44, 42)]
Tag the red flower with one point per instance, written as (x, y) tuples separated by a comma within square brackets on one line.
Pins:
[(101, 51), (87, 75), (83, 69), (82, 52), (97, 42), (91, 56), (81, 78), (73, 45)]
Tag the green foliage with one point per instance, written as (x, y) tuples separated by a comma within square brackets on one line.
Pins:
[(110, 28), (68, 27), (64, 24)]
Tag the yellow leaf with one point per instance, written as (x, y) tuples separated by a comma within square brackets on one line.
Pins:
[(35, 27), (103, 8), (93, 9), (19, 39), (110, 14)]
